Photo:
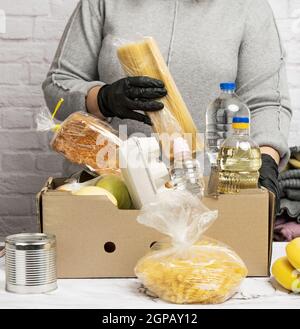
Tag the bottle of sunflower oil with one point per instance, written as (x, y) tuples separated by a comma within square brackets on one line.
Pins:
[(239, 159)]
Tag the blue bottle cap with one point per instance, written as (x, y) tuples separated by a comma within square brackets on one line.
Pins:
[(228, 86), (240, 120)]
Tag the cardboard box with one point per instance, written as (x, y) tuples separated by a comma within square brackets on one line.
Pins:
[(95, 239)]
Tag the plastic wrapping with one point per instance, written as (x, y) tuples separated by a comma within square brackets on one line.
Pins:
[(86, 140), (44, 121), (83, 139), (190, 268), (144, 58)]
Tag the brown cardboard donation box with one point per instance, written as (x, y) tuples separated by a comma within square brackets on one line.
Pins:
[(95, 239)]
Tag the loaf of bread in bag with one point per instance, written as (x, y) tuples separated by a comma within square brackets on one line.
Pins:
[(86, 140)]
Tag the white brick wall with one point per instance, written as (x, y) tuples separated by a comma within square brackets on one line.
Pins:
[(26, 49), (33, 30)]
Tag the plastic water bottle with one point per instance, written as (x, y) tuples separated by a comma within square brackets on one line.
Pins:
[(219, 117), (185, 171), (239, 159)]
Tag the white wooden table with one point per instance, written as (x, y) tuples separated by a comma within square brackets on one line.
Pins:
[(124, 293)]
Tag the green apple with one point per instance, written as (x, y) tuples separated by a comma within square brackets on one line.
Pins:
[(118, 189)]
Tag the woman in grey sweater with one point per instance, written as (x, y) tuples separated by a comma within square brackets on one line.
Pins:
[(204, 42)]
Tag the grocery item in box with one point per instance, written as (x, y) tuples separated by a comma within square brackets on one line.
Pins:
[(116, 186), (86, 140), (143, 58), (189, 268), (144, 173)]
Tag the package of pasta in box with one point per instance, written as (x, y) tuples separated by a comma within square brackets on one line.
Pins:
[(187, 268), (83, 139), (143, 58)]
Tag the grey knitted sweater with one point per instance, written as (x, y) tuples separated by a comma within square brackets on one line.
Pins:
[(204, 42)]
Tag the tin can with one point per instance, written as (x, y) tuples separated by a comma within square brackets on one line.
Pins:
[(30, 262)]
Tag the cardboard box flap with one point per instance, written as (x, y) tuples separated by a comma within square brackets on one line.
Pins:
[(50, 185), (39, 203), (272, 216)]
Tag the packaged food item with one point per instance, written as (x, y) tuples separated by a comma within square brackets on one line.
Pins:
[(86, 140), (144, 58), (142, 169), (239, 159), (186, 171), (219, 116), (189, 268)]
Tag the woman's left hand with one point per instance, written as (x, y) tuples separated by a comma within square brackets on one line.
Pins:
[(269, 178)]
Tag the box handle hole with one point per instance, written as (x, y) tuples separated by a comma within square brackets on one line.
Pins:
[(109, 247), (153, 244)]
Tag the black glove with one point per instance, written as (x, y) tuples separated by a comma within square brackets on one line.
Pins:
[(269, 178), (126, 96)]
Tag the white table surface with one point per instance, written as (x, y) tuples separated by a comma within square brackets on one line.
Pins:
[(125, 293)]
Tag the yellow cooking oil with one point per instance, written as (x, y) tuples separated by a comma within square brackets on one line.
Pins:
[(239, 168), (239, 159)]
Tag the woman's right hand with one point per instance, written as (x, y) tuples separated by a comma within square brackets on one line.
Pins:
[(126, 96)]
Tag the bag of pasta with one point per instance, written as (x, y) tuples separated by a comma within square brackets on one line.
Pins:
[(144, 58), (83, 139), (189, 268)]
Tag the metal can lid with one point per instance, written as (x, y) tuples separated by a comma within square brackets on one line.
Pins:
[(30, 240)]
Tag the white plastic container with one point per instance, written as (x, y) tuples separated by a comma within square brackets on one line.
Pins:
[(144, 174)]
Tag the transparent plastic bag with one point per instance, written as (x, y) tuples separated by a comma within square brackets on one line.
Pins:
[(83, 139), (189, 268), (143, 58), (44, 121), (86, 140)]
